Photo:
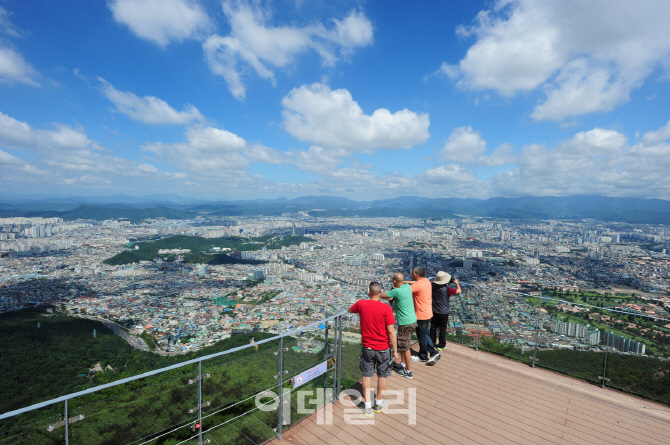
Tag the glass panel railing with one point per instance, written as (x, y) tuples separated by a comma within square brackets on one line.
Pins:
[(162, 408), (310, 365), (585, 334), (251, 429), (350, 372), (228, 380), (645, 376), (231, 390), (155, 409)]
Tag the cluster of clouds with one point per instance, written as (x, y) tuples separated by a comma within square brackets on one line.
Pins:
[(13, 66), (64, 155), (584, 57), (252, 44), (600, 160), (561, 48)]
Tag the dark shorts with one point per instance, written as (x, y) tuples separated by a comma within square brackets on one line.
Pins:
[(405, 332), (372, 360)]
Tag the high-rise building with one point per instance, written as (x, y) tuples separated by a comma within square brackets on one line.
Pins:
[(624, 344)]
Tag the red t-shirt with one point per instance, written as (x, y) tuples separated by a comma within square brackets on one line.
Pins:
[(375, 316)]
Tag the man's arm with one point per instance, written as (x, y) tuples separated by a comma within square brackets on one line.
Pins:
[(458, 286), (390, 330), (386, 295)]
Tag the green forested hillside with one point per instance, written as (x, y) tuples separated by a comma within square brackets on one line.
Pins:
[(159, 409), (38, 364), (200, 248)]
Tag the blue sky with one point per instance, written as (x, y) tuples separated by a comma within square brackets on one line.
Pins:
[(359, 99)]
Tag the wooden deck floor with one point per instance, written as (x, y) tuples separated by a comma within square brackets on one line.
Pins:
[(473, 397)]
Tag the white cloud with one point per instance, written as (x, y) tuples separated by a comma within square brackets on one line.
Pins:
[(447, 175), (13, 67), (452, 71), (510, 55), (504, 154), (598, 161), (88, 180), (319, 160), (359, 182), (464, 145), (587, 56), (15, 134), (64, 152), (161, 21), (580, 88), (333, 119), (596, 142), (656, 137), (15, 169), (6, 25), (148, 109), (355, 30), (267, 155), (255, 43), (213, 154)]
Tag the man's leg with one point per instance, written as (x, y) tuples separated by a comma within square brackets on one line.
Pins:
[(406, 358), (422, 336), (381, 387), (434, 324), (368, 368), (367, 387), (383, 371), (405, 344), (424, 326), (444, 323)]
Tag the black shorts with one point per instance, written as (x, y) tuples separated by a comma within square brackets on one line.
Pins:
[(372, 360)]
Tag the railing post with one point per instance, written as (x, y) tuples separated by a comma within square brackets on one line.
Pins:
[(67, 441), (605, 369), (338, 360), (477, 323), (336, 337), (200, 402), (537, 329), (281, 388), (325, 357)]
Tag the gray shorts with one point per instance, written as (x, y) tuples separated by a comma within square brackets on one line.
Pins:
[(372, 360)]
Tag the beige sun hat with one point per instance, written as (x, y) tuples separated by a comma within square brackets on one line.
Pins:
[(442, 278)]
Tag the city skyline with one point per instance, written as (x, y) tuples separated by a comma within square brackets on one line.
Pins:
[(364, 100)]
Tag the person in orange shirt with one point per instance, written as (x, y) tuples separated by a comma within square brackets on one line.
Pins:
[(423, 306)]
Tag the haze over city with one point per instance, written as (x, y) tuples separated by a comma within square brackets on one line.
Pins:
[(365, 100)]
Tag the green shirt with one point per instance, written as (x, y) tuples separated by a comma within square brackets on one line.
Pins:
[(404, 304)]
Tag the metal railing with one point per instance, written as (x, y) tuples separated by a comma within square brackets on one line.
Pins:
[(518, 325), (207, 407)]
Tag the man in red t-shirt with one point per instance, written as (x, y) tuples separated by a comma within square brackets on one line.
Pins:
[(378, 337)]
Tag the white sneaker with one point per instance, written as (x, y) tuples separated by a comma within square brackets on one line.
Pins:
[(431, 361), (415, 358)]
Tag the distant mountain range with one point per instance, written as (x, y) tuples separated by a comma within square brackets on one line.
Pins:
[(631, 210)]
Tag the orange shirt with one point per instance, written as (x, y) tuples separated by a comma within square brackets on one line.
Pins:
[(423, 299)]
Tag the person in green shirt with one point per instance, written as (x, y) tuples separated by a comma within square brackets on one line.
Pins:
[(401, 294)]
